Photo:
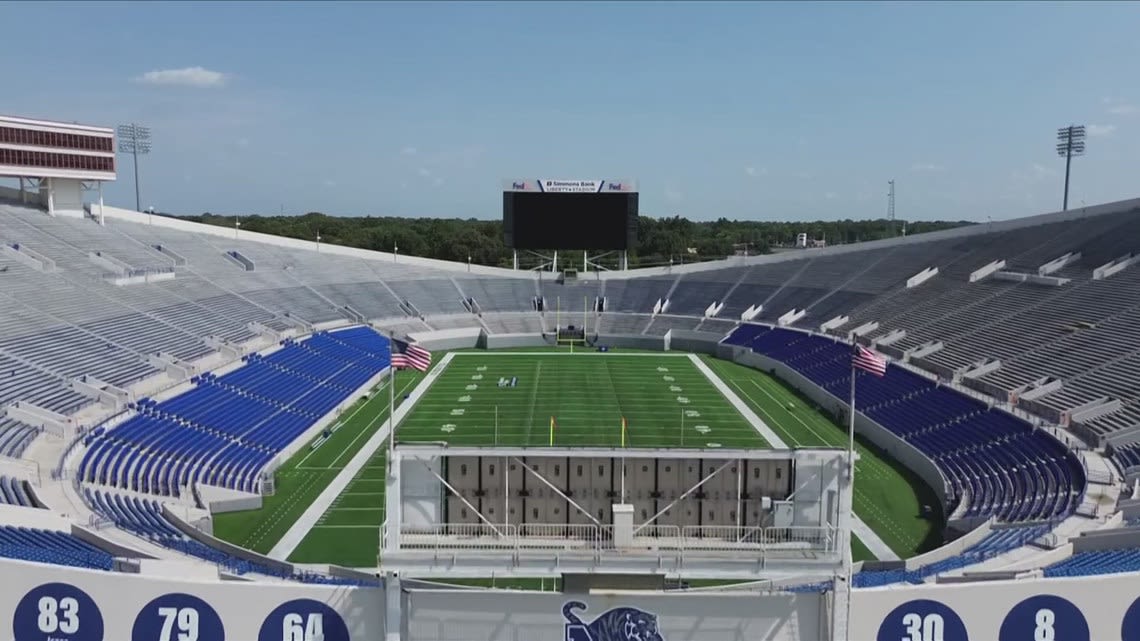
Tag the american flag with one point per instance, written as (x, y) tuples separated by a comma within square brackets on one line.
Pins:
[(406, 354), (868, 361)]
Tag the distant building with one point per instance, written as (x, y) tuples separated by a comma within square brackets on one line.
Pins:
[(803, 242)]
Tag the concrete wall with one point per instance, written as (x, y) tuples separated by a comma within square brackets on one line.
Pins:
[(220, 500), (1110, 539), (448, 339), (632, 341), (110, 546), (894, 446), (228, 548), (112, 604), (1089, 609), (690, 341), (505, 341), (462, 615)]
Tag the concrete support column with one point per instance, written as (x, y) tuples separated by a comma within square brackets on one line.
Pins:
[(393, 612)]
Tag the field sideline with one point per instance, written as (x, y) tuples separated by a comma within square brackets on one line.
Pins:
[(665, 400)]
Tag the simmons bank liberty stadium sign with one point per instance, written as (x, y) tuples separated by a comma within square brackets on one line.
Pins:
[(549, 185)]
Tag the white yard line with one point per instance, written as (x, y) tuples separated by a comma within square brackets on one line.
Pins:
[(342, 421), (316, 510), (533, 401), (881, 550), (774, 441)]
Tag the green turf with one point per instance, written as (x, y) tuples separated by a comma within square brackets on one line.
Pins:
[(859, 551), (665, 400), (349, 531), (588, 394), (887, 496), (300, 480)]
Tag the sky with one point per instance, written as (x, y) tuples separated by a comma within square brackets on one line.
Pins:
[(761, 111)]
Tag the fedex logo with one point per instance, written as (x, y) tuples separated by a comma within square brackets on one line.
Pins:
[(518, 185)]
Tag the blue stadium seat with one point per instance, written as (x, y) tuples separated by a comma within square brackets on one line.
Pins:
[(997, 542), (997, 464), (49, 546), (1097, 562), (227, 428), (144, 518)]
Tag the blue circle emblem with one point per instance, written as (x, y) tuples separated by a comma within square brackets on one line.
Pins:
[(301, 620), (177, 616), (923, 620), (1044, 617), (1130, 626), (59, 612)]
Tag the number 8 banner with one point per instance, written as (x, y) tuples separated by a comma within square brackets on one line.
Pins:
[(1044, 617)]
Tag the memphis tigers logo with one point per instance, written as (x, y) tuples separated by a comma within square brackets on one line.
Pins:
[(616, 624)]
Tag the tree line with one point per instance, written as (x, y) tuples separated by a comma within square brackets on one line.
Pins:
[(660, 240)]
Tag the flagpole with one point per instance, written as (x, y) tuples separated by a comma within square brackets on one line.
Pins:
[(851, 432), (623, 445), (848, 560), (623, 477), (391, 402)]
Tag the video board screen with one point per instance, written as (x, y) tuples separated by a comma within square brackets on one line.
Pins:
[(563, 220)]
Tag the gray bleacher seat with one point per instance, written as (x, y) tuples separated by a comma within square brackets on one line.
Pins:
[(72, 322)]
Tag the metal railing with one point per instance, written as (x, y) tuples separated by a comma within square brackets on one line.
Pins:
[(588, 539)]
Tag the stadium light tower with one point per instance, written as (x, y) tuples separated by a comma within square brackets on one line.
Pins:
[(891, 205), (1070, 142), (135, 140)]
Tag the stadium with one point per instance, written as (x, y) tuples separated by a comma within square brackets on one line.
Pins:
[(211, 433)]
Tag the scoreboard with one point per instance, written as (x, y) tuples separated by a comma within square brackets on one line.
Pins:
[(570, 214)]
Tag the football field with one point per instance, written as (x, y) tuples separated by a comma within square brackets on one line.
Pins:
[(528, 399), (508, 398)]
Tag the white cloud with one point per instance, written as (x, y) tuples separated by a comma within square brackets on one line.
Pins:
[(243, 142), (756, 171), (925, 166), (438, 180), (673, 195), (1119, 107), (830, 195), (1042, 170), (328, 182), (1101, 130), (188, 77), (424, 172), (408, 151)]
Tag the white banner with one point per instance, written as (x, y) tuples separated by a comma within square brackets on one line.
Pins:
[(551, 185), (571, 186)]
